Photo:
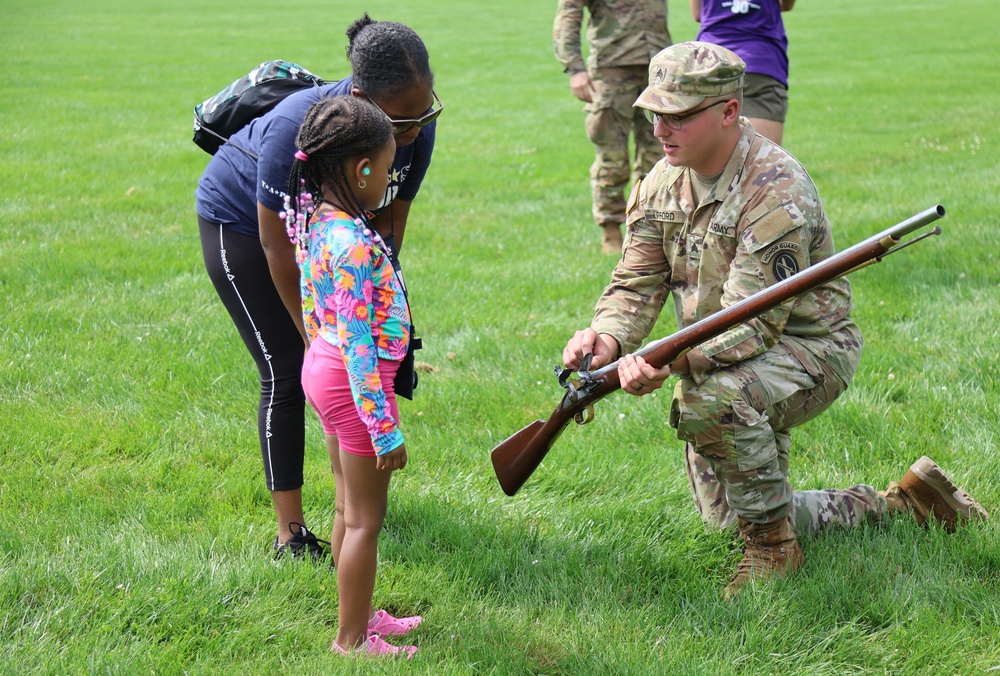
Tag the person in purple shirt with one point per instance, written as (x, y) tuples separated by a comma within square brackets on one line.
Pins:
[(251, 260), (754, 30)]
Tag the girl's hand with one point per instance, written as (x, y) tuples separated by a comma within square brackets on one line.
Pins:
[(394, 459)]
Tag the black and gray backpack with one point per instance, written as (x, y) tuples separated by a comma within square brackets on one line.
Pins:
[(218, 118)]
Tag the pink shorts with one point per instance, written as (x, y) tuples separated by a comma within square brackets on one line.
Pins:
[(328, 391)]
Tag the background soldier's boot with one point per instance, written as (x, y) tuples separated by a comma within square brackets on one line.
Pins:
[(769, 550), (925, 489), (612, 242)]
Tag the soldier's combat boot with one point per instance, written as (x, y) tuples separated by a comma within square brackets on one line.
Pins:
[(612, 241), (926, 490), (769, 550)]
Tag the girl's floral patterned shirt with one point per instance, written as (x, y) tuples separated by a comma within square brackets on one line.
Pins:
[(352, 299)]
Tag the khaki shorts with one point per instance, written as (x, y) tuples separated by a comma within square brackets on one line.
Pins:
[(765, 98)]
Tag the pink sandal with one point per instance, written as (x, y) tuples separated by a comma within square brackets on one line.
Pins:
[(384, 624), (375, 647)]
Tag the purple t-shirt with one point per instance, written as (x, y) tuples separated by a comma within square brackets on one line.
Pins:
[(751, 28), (234, 182)]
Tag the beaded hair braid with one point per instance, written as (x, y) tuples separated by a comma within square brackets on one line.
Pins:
[(334, 130), (386, 57)]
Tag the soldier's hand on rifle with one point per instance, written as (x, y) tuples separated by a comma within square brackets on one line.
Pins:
[(638, 377), (582, 86), (601, 345), (394, 459)]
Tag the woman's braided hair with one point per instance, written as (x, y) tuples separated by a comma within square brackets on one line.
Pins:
[(334, 130), (386, 57)]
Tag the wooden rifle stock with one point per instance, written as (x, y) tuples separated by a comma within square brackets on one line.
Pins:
[(517, 457)]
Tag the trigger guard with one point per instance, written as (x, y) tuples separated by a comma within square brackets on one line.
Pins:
[(580, 419)]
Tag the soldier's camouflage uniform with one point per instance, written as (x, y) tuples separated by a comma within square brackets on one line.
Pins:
[(761, 222), (623, 36)]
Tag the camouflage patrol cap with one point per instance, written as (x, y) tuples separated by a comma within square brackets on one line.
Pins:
[(683, 75)]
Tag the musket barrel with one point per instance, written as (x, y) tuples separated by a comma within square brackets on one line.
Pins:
[(912, 223)]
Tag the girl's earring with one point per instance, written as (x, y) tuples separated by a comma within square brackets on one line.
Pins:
[(362, 184), (366, 171)]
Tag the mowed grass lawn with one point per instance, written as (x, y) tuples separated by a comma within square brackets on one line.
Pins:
[(135, 529)]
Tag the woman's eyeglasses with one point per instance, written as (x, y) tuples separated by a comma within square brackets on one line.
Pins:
[(403, 126)]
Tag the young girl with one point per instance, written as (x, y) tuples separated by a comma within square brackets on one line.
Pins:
[(358, 323)]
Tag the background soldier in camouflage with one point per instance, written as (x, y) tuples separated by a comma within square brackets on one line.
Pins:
[(724, 215), (623, 36)]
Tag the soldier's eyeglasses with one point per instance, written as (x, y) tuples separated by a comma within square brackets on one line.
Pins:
[(402, 126), (675, 122)]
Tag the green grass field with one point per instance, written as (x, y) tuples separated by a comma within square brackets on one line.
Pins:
[(134, 524)]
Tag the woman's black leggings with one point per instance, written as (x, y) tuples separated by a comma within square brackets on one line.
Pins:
[(238, 268)]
